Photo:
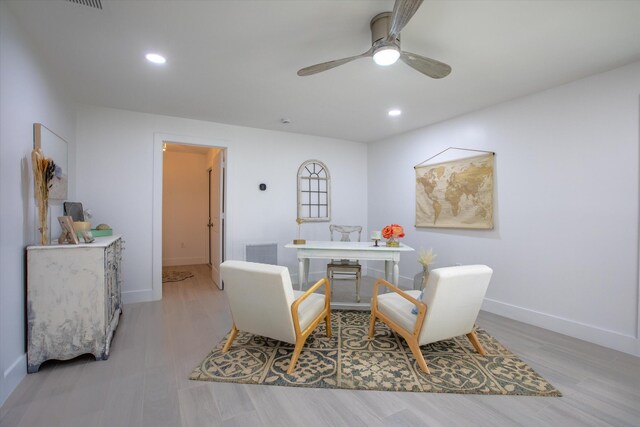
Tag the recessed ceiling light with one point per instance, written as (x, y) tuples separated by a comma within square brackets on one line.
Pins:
[(155, 58), (394, 113)]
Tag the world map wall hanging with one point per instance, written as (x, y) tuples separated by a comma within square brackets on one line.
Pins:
[(456, 193)]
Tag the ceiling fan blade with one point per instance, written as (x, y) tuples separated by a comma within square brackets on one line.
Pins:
[(427, 66), (403, 10), (318, 68)]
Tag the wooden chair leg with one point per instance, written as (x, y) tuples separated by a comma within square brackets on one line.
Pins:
[(330, 277), (232, 337), (296, 353), (372, 325), (358, 286), (328, 322), (415, 349), (476, 343)]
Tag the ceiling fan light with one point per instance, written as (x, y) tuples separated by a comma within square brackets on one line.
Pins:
[(386, 55)]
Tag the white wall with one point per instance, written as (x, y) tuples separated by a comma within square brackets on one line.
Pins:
[(185, 208), (29, 94), (115, 153), (565, 244)]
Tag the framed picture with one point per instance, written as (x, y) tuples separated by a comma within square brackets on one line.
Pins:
[(74, 210), (55, 148), (68, 233)]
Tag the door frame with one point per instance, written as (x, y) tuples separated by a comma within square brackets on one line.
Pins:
[(209, 172), (159, 139)]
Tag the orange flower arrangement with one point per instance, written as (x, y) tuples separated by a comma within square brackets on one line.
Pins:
[(392, 231)]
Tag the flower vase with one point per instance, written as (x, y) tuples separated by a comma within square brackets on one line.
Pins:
[(393, 241), (43, 214), (425, 276)]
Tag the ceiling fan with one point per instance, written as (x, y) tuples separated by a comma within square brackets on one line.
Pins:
[(385, 44)]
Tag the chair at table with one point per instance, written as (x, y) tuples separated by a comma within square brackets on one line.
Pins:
[(344, 269), (448, 308), (263, 302)]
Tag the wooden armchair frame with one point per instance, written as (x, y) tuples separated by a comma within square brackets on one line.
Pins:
[(411, 337), (301, 336)]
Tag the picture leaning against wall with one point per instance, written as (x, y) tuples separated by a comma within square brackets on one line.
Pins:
[(456, 193)]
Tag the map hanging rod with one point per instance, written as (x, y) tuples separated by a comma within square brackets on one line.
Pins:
[(453, 148)]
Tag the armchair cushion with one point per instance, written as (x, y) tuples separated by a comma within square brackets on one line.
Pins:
[(398, 309), (414, 310)]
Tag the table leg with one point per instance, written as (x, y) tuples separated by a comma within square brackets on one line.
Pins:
[(300, 273), (387, 271), (396, 273), (306, 273)]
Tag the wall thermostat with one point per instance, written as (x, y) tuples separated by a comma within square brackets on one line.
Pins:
[(263, 187)]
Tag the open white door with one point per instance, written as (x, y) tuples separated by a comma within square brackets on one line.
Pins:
[(216, 229)]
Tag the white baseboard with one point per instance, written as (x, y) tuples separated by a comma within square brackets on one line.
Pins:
[(610, 339), (171, 262), (403, 282), (12, 376), (132, 297)]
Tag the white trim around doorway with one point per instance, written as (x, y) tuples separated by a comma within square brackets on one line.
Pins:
[(159, 139)]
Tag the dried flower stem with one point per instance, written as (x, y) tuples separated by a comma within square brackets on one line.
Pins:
[(426, 258), (43, 172)]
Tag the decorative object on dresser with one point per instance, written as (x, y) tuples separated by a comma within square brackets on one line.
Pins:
[(53, 147), (87, 236), (49, 163), (102, 230), (68, 234), (43, 173), (73, 300), (74, 210)]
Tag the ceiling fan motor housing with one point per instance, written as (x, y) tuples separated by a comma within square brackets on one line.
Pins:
[(380, 26)]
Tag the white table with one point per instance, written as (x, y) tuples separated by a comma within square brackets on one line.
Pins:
[(349, 250)]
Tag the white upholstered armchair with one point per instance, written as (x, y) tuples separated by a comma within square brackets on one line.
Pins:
[(448, 308), (263, 302)]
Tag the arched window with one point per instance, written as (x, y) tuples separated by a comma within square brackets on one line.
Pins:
[(314, 192)]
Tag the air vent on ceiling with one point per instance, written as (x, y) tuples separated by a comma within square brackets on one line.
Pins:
[(91, 3)]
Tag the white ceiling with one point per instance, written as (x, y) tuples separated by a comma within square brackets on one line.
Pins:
[(235, 61)]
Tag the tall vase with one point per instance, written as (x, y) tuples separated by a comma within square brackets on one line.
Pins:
[(420, 279), (43, 213), (425, 276)]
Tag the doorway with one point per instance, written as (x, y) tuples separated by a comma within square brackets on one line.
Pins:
[(216, 207), (189, 225)]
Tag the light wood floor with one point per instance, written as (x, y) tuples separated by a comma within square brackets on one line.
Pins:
[(144, 383)]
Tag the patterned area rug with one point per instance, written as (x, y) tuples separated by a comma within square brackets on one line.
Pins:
[(175, 276), (348, 360)]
